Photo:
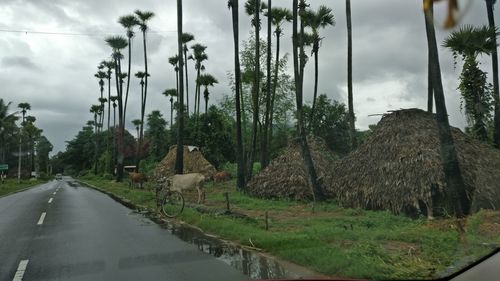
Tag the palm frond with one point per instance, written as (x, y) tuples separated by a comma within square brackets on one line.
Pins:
[(170, 93), (186, 38), (471, 41), (117, 43)]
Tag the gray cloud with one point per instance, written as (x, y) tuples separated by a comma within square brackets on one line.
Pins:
[(389, 63)]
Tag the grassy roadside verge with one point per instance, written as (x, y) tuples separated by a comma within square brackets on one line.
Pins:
[(333, 240), (11, 185)]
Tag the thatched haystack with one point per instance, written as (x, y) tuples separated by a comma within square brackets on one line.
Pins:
[(399, 168), (194, 162), (286, 176)]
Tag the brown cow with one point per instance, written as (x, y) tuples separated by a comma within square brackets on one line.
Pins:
[(221, 176), (137, 178)]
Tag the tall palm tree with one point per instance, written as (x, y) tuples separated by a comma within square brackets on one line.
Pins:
[(141, 75), (199, 56), (128, 22), (24, 106), (144, 17), (494, 64), (118, 43), (206, 80), (95, 109), (322, 18), (428, 25), (264, 140), (109, 65), (458, 203), (113, 99), (101, 75), (174, 61), (240, 182), (171, 93), (254, 8), (179, 159), (350, 98), (470, 42), (298, 47), (279, 16), (102, 101), (32, 133), (186, 38)]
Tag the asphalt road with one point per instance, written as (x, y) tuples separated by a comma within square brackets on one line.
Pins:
[(85, 235)]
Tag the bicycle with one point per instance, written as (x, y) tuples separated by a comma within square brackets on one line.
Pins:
[(170, 202)]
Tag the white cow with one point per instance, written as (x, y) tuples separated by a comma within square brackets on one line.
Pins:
[(186, 182)]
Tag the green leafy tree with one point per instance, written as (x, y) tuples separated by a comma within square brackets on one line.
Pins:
[(43, 148), (7, 129), (156, 132), (469, 42), (331, 122)]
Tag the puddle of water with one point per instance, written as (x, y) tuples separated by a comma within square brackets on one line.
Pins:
[(253, 264)]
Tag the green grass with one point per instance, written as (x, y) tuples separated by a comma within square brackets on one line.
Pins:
[(11, 185), (337, 241)]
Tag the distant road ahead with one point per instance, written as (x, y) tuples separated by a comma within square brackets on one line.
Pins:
[(60, 232)]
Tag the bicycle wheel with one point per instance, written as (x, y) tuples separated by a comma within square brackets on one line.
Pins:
[(173, 204)]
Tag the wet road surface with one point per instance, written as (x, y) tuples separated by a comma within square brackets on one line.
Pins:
[(57, 231)]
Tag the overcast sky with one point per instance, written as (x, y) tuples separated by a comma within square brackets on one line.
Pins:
[(54, 72)]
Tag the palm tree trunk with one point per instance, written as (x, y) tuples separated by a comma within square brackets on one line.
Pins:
[(311, 115), (264, 140), (255, 94), (109, 101), (171, 113), (494, 63), (187, 80), (350, 99), (143, 106), (140, 132), (179, 159), (275, 85), (95, 144), (430, 89), (128, 78), (240, 182), (206, 104), (121, 127), (316, 191), (114, 142), (455, 191)]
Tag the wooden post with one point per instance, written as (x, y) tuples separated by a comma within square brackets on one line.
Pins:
[(267, 221), (226, 195)]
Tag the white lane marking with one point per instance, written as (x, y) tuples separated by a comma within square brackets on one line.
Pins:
[(42, 217), (20, 270), (50, 200)]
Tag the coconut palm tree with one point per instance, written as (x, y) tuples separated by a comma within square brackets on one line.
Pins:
[(199, 56), (179, 159), (102, 101), (458, 203), (206, 80), (24, 106), (322, 18), (101, 75), (171, 93), (186, 38), (298, 48), (128, 22), (118, 43), (143, 18), (470, 42), (350, 98), (240, 182), (109, 65), (494, 64), (279, 16)]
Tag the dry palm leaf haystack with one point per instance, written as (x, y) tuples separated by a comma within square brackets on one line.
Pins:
[(286, 176), (399, 168), (194, 162)]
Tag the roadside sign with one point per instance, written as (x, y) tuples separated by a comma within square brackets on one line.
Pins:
[(4, 167)]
